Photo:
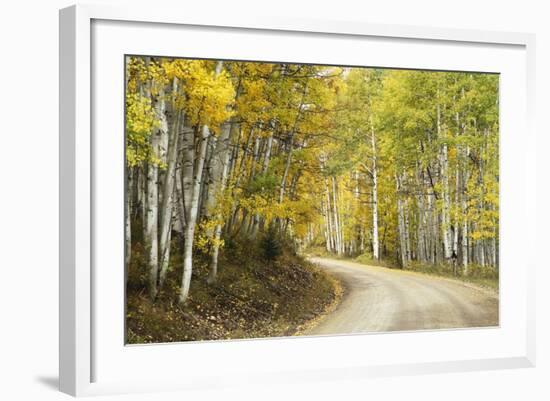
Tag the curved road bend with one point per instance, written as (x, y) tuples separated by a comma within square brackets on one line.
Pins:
[(382, 299)]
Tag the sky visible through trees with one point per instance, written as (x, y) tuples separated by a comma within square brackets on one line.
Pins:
[(396, 165)]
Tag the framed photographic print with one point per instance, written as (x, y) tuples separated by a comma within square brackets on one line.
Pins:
[(280, 200)]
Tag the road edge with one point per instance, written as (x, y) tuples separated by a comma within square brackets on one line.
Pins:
[(495, 294), (339, 292)]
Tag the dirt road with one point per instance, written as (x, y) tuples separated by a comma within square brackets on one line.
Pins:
[(381, 299)]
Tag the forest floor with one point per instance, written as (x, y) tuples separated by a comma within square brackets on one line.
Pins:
[(251, 298), (378, 299)]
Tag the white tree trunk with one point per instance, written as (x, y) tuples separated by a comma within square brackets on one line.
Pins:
[(291, 145), (401, 223), (267, 155), (494, 255), (192, 215), (444, 165), (151, 227), (153, 196), (421, 213), (481, 248), (401, 232), (218, 162), (255, 157), (142, 191), (287, 168), (464, 210), (167, 195), (219, 171), (337, 224), (265, 167), (326, 226), (456, 222), (406, 231), (375, 241), (127, 212), (432, 229), (331, 230), (341, 221)]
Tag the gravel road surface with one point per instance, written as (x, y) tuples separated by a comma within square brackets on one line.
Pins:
[(382, 299)]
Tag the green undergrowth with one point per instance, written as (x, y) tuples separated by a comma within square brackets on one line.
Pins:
[(258, 293), (485, 277)]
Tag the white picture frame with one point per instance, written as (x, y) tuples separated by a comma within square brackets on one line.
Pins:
[(81, 342)]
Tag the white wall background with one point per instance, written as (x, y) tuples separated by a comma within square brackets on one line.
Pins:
[(29, 200)]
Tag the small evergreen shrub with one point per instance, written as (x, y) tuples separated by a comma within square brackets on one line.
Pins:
[(271, 244)]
